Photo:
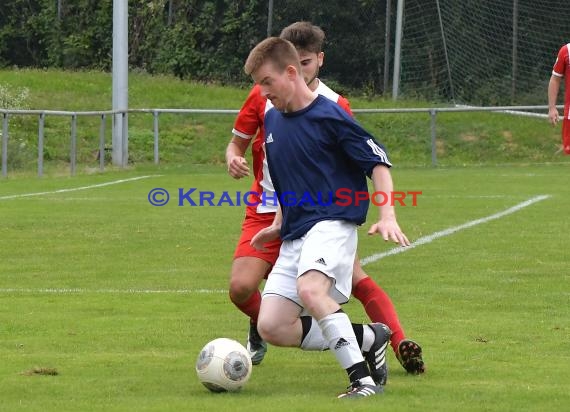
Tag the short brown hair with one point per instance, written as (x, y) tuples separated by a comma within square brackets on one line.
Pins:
[(278, 51), (305, 36)]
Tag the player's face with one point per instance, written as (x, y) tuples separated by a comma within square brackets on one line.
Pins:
[(310, 64), (275, 84)]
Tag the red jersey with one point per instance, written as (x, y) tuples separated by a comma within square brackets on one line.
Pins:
[(249, 125), (562, 69)]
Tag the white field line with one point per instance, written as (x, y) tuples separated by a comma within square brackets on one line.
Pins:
[(370, 259), (76, 189), (430, 238), (63, 291), (469, 197)]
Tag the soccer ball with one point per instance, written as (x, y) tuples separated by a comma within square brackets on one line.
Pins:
[(223, 365)]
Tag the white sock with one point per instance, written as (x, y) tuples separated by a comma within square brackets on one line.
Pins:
[(314, 339), (337, 331), (367, 381), (368, 338)]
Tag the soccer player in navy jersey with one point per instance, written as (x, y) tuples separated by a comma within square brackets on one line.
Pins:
[(315, 150), (250, 266)]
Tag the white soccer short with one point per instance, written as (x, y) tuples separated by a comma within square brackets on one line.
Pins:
[(329, 247)]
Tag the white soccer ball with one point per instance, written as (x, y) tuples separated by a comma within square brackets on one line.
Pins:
[(223, 365)]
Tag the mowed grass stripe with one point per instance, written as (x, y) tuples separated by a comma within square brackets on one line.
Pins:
[(369, 259)]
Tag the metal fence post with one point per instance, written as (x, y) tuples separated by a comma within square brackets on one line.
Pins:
[(5, 146), (73, 151), (102, 144), (41, 145), (125, 140), (155, 129), (432, 114)]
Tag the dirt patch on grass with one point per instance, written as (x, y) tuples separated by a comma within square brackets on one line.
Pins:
[(509, 143), (469, 137), (439, 147), (41, 371), (507, 135)]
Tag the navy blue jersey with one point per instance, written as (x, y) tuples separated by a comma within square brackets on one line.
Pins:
[(318, 160)]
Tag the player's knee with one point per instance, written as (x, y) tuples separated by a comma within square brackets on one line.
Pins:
[(241, 291), (358, 274), (269, 331), (357, 279), (264, 331), (308, 296)]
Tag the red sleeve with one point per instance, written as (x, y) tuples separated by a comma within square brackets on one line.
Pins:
[(250, 116), (561, 61), (345, 104)]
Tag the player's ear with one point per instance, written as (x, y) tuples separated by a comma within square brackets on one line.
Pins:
[(291, 71), (320, 58)]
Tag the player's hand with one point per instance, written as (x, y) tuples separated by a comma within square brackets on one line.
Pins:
[(389, 230), (264, 236), (237, 167), (553, 116)]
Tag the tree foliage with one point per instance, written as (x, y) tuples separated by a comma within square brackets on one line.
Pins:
[(208, 40), (205, 40), (197, 39)]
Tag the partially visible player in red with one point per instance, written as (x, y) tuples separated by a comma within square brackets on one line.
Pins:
[(251, 266), (561, 69)]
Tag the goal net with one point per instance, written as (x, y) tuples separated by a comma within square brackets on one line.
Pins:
[(481, 52)]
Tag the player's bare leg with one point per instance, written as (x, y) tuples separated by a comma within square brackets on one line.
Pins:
[(314, 291), (279, 322), (280, 325), (246, 277)]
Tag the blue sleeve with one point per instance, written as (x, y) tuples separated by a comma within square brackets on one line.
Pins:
[(361, 146)]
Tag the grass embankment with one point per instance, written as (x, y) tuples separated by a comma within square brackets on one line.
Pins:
[(462, 138)]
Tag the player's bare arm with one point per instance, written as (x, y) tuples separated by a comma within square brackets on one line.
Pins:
[(235, 160), (387, 225), (553, 88), (269, 233)]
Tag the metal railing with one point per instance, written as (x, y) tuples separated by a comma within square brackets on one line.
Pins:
[(432, 112), (41, 122), (73, 130)]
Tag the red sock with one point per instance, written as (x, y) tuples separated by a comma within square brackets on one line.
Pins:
[(251, 306), (379, 308)]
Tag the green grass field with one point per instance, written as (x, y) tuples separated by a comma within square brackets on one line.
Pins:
[(118, 296)]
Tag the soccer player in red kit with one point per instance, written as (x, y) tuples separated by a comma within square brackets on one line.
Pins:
[(251, 266), (561, 69)]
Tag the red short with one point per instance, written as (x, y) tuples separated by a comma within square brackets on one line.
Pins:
[(252, 224), (566, 135)]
